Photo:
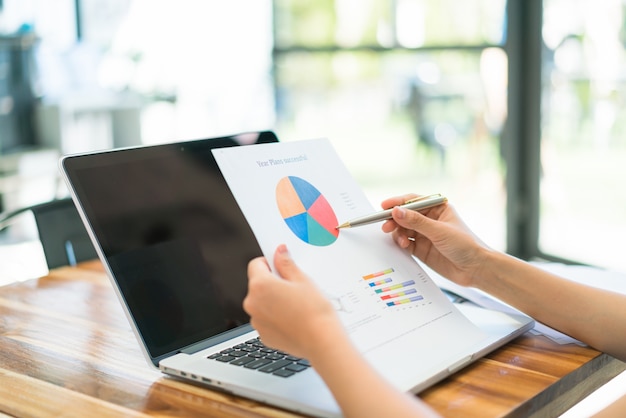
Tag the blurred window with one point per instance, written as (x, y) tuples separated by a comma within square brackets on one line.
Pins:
[(412, 93), (583, 153)]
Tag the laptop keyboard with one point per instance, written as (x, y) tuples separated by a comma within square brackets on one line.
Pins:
[(254, 355)]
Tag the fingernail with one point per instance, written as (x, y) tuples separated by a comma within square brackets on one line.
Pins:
[(282, 249), (400, 212)]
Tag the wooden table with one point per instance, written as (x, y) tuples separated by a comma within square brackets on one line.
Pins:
[(66, 349)]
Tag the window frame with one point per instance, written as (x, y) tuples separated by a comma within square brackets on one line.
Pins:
[(520, 140)]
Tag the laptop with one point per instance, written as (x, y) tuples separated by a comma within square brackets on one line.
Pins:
[(175, 245)]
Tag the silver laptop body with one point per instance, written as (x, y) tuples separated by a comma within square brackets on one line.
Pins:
[(175, 246)]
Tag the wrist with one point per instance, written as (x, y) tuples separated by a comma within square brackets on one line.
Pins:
[(500, 269), (493, 264), (328, 338)]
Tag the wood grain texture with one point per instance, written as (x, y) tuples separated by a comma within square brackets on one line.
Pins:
[(66, 349)]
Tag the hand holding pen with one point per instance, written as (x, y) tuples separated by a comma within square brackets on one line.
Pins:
[(418, 203)]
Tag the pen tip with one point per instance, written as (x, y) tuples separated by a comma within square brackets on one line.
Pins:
[(343, 225)]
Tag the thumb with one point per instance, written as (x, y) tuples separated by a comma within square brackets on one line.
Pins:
[(285, 266)]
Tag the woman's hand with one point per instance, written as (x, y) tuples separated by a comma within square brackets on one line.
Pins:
[(439, 238), (289, 312)]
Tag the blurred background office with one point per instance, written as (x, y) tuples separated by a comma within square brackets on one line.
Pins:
[(513, 109)]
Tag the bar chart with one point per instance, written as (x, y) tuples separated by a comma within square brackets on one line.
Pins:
[(390, 290)]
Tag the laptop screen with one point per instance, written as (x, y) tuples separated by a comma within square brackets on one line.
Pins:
[(172, 234)]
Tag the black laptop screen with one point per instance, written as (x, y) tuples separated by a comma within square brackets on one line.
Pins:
[(172, 234)]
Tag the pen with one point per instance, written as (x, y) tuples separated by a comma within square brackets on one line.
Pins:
[(419, 203)]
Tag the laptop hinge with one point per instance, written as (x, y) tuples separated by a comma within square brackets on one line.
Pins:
[(194, 348)]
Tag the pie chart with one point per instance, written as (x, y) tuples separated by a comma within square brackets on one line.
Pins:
[(306, 211)]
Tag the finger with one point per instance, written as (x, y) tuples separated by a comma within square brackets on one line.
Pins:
[(404, 238), (257, 270), (405, 242), (285, 266), (397, 200), (413, 220), (257, 266), (389, 226)]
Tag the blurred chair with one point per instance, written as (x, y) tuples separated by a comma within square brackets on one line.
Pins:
[(440, 115), (62, 234)]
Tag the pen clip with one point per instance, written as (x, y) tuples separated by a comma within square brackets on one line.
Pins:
[(417, 199)]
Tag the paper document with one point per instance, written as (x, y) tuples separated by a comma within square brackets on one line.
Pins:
[(296, 193)]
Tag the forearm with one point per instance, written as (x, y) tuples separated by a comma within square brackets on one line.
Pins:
[(594, 316), (353, 381)]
